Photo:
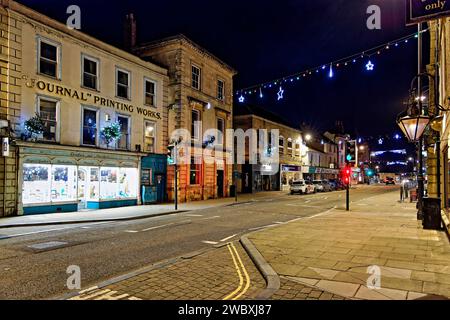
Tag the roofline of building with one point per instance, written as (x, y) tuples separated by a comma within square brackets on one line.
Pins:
[(32, 14), (268, 120), (184, 39)]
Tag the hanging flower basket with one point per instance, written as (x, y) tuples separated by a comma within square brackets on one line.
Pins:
[(111, 133), (34, 128)]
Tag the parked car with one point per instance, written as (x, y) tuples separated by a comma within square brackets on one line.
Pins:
[(390, 181), (301, 187), (327, 186), (312, 186), (319, 185)]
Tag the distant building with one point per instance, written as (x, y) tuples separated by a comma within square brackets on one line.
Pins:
[(255, 177)]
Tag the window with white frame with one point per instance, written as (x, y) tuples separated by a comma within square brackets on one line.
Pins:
[(90, 127), (48, 112), (150, 93), (124, 140), (123, 83), (221, 129), (298, 150), (220, 90), (90, 69), (196, 77), (195, 124), (149, 136), (49, 58)]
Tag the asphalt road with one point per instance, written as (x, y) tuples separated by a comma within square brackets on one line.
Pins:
[(106, 250)]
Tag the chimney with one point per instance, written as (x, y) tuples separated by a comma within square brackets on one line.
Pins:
[(130, 32)]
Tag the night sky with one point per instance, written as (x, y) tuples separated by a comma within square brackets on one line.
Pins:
[(269, 39)]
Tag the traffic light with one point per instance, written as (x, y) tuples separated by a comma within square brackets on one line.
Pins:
[(347, 175), (350, 152), (171, 154)]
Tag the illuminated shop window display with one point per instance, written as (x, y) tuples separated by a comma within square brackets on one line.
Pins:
[(47, 184)]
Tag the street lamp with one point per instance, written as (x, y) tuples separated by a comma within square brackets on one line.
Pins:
[(413, 125), (308, 137)]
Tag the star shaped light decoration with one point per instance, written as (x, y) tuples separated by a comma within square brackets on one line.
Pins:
[(280, 94), (370, 66), (241, 99)]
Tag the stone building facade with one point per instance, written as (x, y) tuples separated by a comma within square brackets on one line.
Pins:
[(200, 90), (77, 86), (440, 66), (290, 147)]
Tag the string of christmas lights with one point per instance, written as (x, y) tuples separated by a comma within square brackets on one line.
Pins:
[(329, 67)]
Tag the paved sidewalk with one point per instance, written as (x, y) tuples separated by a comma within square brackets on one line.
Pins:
[(224, 273), (332, 253), (127, 213)]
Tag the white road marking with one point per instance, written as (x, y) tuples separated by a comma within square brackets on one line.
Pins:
[(307, 201), (228, 238), (131, 231), (157, 227), (210, 242), (278, 222), (210, 218), (194, 215)]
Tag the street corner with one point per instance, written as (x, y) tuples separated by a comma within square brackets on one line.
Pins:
[(225, 273)]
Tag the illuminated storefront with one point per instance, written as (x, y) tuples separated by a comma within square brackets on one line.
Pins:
[(66, 179)]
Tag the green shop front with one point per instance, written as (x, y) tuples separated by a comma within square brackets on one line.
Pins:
[(55, 179)]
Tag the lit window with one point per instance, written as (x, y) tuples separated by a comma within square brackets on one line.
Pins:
[(48, 58), (47, 112), (150, 93), (194, 173), (220, 90), (196, 77), (89, 127), (123, 84), (150, 134), (90, 73), (123, 142)]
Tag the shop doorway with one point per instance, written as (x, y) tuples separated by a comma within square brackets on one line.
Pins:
[(160, 188), (82, 188), (220, 176)]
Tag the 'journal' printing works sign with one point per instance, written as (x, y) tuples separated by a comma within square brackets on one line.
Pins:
[(88, 97), (425, 10)]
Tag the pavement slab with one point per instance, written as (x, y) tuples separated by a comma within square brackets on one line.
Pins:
[(414, 263), (209, 276)]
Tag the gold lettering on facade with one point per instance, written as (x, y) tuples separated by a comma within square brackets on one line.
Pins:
[(85, 97)]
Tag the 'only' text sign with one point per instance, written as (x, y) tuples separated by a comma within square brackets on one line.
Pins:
[(425, 10)]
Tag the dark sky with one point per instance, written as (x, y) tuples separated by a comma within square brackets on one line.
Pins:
[(267, 39)]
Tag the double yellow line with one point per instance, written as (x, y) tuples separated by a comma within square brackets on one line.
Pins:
[(242, 273)]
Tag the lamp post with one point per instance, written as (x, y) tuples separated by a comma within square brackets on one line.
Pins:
[(413, 126)]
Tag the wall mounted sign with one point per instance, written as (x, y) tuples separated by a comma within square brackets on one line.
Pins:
[(425, 10)]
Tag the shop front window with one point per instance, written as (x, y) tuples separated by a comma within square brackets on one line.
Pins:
[(118, 183), (64, 183), (36, 184)]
